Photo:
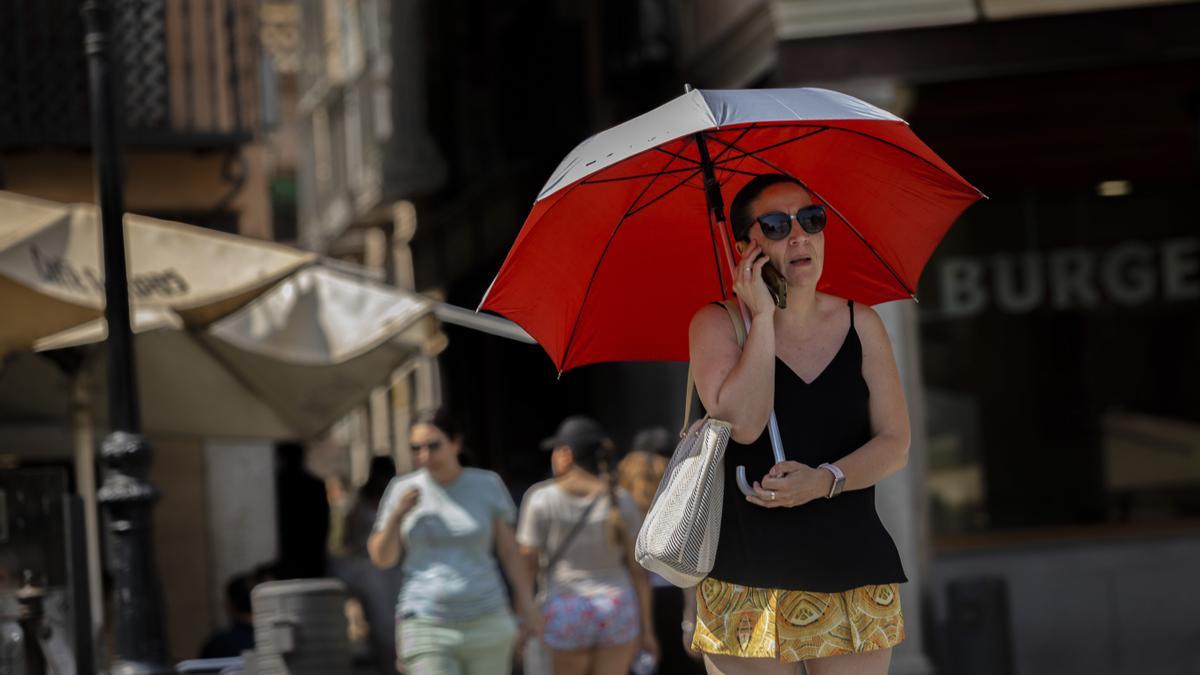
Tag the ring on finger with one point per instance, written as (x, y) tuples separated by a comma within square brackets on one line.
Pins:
[(772, 495)]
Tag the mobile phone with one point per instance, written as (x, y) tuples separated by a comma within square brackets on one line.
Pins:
[(776, 284)]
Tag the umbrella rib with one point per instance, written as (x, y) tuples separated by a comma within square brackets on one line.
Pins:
[(696, 162), (672, 189), (737, 171), (676, 155), (597, 181), (726, 149), (746, 153), (850, 225), (957, 179), (630, 211)]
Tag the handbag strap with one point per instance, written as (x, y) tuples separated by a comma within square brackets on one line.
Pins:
[(553, 559), (739, 329)]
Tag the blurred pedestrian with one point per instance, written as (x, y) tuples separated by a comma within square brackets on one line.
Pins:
[(581, 526), (805, 556), (303, 516), (238, 636), (375, 589), (445, 521), (674, 609), (640, 470)]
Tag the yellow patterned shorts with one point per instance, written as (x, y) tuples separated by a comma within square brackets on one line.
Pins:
[(795, 625)]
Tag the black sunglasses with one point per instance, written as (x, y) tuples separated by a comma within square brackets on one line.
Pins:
[(431, 445), (777, 224)]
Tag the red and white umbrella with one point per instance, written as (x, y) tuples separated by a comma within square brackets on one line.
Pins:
[(627, 239)]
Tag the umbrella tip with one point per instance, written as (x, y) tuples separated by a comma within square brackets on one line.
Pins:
[(914, 298), (686, 87)]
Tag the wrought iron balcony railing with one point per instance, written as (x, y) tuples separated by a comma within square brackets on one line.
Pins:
[(186, 72)]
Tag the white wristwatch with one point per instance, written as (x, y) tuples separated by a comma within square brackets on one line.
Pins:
[(839, 479)]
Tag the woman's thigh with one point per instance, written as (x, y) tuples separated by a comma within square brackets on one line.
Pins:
[(487, 645), (875, 662), (614, 660), (571, 661), (433, 663), (722, 664)]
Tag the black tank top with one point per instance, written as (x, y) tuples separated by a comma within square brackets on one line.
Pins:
[(826, 545)]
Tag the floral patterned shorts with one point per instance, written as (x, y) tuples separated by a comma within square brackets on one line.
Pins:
[(795, 625), (586, 621)]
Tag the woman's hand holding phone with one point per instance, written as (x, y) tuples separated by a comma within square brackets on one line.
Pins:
[(776, 284), (749, 285)]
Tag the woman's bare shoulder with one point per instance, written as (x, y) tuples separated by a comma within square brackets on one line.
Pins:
[(714, 309), (872, 333), (712, 318)]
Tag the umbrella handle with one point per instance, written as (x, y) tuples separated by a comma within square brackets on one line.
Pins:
[(741, 482), (776, 450)]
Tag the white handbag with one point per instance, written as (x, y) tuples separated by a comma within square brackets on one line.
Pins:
[(678, 539)]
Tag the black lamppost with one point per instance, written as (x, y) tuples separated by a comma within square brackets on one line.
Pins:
[(140, 646)]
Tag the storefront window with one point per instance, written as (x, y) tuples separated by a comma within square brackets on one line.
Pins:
[(1060, 341)]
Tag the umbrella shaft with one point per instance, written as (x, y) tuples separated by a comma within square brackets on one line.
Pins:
[(712, 189), (716, 206)]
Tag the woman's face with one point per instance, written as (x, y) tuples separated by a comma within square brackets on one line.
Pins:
[(432, 449), (800, 256)]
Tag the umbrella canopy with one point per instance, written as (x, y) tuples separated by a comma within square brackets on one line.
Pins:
[(286, 365), (618, 252), (52, 278)]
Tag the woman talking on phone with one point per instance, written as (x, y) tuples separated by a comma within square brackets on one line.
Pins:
[(445, 521), (805, 571)]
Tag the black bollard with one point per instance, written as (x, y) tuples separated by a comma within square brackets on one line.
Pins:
[(978, 628)]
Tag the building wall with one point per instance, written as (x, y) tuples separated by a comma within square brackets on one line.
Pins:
[(156, 181), (1124, 606)]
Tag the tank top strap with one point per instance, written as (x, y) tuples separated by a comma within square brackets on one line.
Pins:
[(850, 304)]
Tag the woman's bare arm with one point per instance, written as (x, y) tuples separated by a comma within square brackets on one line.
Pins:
[(385, 545), (887, 451), (736, 385)]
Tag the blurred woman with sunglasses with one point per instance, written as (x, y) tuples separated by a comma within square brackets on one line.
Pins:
[(451, 525), (805, 571)]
